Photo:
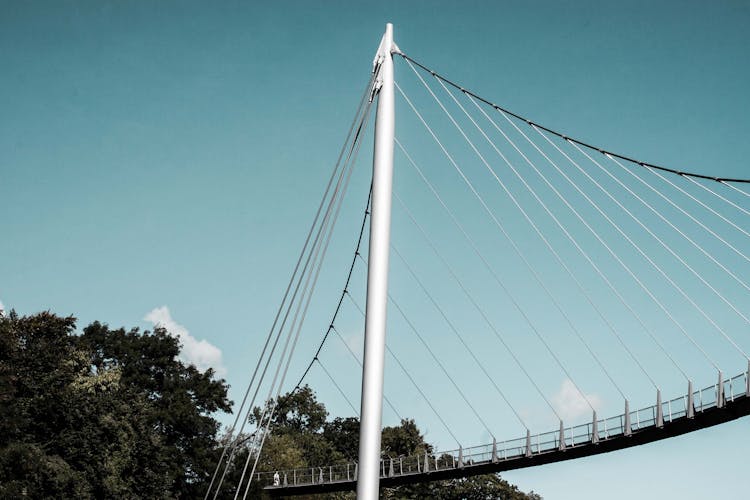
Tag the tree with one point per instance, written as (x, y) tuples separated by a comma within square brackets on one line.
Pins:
[(343, 436), (300, 430), (109, 413), (181, 398)]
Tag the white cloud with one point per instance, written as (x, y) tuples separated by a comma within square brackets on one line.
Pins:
[(571, 405), (200, 353), (355, 341)]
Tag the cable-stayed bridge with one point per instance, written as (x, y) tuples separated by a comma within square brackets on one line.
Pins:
[(560, 253)]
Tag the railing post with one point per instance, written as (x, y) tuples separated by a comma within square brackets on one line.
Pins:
[(426, 462), (747, 380), (627, 431), (390, 469), (494, 450), (659, 412), (594, 430), (561, 444), (286, 481), (720, 392), (460, 457)]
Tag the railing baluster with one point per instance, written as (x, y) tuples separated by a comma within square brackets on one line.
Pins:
[(669, 405)]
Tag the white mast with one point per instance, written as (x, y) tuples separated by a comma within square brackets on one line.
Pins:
[(377, 275)]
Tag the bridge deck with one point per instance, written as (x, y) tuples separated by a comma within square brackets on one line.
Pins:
[(532, 450)]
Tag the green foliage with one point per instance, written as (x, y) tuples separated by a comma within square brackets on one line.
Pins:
[(301, 435), (115, 414), (104, 414), (343, 436), (404, 440), (484, 487)]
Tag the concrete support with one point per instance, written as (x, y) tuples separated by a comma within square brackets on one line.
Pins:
[(659, 412), (528, 443), (627, 430), (561, 445), (690, 401), (594, 429)]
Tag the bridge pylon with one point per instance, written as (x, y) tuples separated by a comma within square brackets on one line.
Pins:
[(371, 412)]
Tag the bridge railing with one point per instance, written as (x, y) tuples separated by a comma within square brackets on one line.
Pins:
[(703, 399), (735, 386), (675, 408)]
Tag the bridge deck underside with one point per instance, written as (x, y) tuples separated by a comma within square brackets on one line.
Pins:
[(733, 410)]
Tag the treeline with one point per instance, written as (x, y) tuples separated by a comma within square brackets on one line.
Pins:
[(114, 413), (303, 436)]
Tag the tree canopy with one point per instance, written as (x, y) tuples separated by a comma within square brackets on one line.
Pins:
[(104, 414), (114, 413)]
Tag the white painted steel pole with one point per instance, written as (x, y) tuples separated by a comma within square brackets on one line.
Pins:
[(371, 413)]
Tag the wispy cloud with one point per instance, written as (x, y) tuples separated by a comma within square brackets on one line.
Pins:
[(355, 341), (200, 353), (571, 405)]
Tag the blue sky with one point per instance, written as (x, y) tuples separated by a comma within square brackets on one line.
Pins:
[(161, 162)]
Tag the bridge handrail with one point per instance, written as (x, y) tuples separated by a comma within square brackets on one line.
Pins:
[(529, 445)]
